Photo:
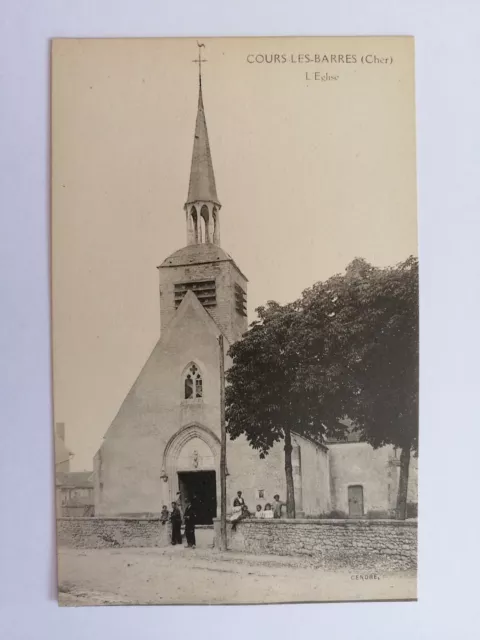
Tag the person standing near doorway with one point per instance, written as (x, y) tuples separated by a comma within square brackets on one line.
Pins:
[(179, 502), (176, 520), (189, 518)]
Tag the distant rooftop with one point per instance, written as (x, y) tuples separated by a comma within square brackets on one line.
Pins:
[(75, 479), (350, 435)]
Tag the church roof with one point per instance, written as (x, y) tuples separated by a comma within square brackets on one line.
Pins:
[(195, 254), (351, 435), (198, 254), (202, 179)]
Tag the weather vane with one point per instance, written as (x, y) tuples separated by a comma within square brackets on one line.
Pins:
[(199, 60)]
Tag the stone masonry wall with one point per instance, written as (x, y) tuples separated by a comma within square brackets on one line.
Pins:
[(381, 545), (97, 533)]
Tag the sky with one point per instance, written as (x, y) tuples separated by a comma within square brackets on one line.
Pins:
[(311, 173)]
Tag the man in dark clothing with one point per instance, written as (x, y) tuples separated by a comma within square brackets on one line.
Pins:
[(189, 517), (180, 503), (176, 520)]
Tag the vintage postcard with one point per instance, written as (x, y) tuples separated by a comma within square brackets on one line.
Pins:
[(235, 320)]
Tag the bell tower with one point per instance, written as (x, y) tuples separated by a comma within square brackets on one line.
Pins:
[(203, 267)]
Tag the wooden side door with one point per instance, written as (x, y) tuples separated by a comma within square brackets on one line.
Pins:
[(355, 501)]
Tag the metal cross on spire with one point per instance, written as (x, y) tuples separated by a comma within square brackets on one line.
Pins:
[(199, 61)]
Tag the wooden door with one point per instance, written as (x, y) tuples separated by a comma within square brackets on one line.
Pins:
[(355, 501)]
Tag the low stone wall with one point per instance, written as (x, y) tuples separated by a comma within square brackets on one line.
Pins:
[(96, 533), (381, 545)]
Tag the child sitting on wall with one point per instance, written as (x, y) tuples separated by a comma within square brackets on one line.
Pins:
[(164, 514), (267, 512)]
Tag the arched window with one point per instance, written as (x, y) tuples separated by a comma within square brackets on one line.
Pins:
[(193, 383), (215, 225), (194, 223), (205, 223), (202, 230)]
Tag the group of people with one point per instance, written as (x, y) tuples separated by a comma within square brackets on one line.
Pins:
[(266, 512), (175, 517), (188, 518), (240, 509)]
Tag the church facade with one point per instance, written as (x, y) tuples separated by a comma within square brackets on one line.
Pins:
[(165, 438)]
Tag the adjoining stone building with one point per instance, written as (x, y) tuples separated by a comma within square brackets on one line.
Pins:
[(73, 489), (74, 494), (165, 437)]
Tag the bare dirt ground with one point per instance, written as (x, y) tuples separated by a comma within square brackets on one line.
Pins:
[(176, 575)]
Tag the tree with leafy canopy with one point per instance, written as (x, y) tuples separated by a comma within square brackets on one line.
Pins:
[(368, 350), (262, 400), (347, 349)]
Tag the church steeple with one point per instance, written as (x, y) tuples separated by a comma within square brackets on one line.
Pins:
[(203, 268), (202, 206)]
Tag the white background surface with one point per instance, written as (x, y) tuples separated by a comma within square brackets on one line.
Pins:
[(448, 133)]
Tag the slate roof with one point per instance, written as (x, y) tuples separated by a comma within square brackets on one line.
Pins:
[(195, 254), (202, 179), (199, 254)]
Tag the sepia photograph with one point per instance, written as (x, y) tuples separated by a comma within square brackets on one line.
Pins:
[(234, 320)]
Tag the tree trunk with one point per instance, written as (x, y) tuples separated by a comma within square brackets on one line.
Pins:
[(403, 484), (289, 475)]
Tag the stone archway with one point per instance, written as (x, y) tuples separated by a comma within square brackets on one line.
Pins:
[(194, 449)]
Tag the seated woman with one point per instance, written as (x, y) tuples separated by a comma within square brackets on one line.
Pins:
[(267, 512), (259, 512), (238, 510)]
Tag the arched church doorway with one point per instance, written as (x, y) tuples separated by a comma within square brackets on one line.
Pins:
[(200, 488), (191, 464)]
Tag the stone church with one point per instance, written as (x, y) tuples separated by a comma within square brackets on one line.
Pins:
[(165, 437)]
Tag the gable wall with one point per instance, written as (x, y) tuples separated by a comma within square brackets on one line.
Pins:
[(131, 455)]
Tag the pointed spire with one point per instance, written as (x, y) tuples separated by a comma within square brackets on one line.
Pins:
[(202, 179)]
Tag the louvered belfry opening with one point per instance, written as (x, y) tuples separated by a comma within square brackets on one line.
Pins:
[(204, 290), (240, 300)]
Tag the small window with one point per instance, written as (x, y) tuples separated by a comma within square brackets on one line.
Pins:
[(261, 494), (193, 385)]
